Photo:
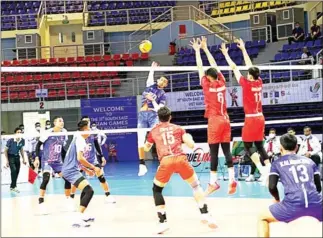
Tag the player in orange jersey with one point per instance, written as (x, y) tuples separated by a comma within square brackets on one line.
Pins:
[(254, 124), (218, 130), (169, 138)]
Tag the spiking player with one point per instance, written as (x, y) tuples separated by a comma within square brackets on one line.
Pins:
[(74, 157), (302, 186), (52, 160), (153, 98), (94, 149), (254, 124), (169, 138), (218, 130)]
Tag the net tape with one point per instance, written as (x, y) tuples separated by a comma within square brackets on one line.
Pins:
[(148, 68), (132, 130)]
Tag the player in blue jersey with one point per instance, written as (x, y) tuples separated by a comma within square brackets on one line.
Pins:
[(301, 181), (94, 150), (76, 155), (153, 98), (51, 160)]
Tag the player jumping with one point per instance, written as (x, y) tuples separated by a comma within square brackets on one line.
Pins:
[(169, 138), (254, 124), (301, 181), (218, 130), (94, 149), (52, 160), (153, 98), (74, 157)]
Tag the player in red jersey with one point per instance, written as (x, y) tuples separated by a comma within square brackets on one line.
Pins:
[(218, 130), (169, 138), (254, 125)]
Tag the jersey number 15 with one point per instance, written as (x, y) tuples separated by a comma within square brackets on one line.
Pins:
[(168, 137)]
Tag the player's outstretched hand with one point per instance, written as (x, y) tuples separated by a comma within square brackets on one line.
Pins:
[(154, 64), (149, 96), (195, 44), (104, 162), (224, 49), (203, 43), (240, 44)]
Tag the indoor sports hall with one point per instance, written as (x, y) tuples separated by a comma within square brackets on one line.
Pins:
[(90, 79)]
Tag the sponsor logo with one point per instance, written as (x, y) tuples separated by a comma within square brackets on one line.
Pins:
[(316, 88), (198, 156)]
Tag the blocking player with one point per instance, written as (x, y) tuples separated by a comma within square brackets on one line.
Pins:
[(169, 138), (218, 130), (52, 161), (254, 124), (94, 149), (302, 187), (76, 155), (153, 98)]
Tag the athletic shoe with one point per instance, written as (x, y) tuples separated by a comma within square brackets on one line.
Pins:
[(251, 178), (261, 178), (109, 199), (15, 190), (208, 219), (162, 227), (142, 170), (232, 187), (212, 188), (80, 223)]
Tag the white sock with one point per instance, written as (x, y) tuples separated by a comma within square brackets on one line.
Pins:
[(213, 178), (231, 174), (260, 167)]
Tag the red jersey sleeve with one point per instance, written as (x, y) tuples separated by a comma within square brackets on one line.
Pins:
[(205, 83), (221, 77), (150, 138), (243, 81)]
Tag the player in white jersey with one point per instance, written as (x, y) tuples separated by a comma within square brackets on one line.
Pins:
[(76, 155)]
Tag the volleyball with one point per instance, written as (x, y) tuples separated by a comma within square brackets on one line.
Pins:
[(145, 46)]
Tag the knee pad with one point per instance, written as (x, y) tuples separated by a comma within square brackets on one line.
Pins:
[(158, 197), (102, 179), (86, 195), (46, 177), (67, 184)]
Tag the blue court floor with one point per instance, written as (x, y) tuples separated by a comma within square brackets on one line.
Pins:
[(123, 180)]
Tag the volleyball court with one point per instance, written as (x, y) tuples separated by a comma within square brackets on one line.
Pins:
[(134, 213)]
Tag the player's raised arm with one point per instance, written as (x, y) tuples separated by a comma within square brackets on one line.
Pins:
[(188, 140), (195, 44), (210, 57), (246, 57), (150, 79), (233, 66)]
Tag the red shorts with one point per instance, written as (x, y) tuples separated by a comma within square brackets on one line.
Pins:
[(170, 165), (253, 129), (218, 130)]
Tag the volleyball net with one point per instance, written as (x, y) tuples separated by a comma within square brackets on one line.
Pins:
[(291, 97)]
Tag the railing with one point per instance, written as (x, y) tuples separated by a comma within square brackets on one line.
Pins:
[(147, 30), (247, 34), (48, 4), (125, 13), (135, 86), (216, 6)]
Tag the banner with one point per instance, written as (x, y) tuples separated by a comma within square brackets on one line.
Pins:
[(276, 93), (115, 113)]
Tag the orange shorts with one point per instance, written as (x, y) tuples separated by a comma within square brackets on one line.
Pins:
[(218, 130), (170, 165), (253, 129)]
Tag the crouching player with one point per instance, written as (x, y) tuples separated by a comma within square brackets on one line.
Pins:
[(71, 173), (301, 181), (169, 138)]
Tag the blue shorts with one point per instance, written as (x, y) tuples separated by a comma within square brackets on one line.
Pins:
[(72, 175), (287, 212), (55, 166), (147, 119)]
